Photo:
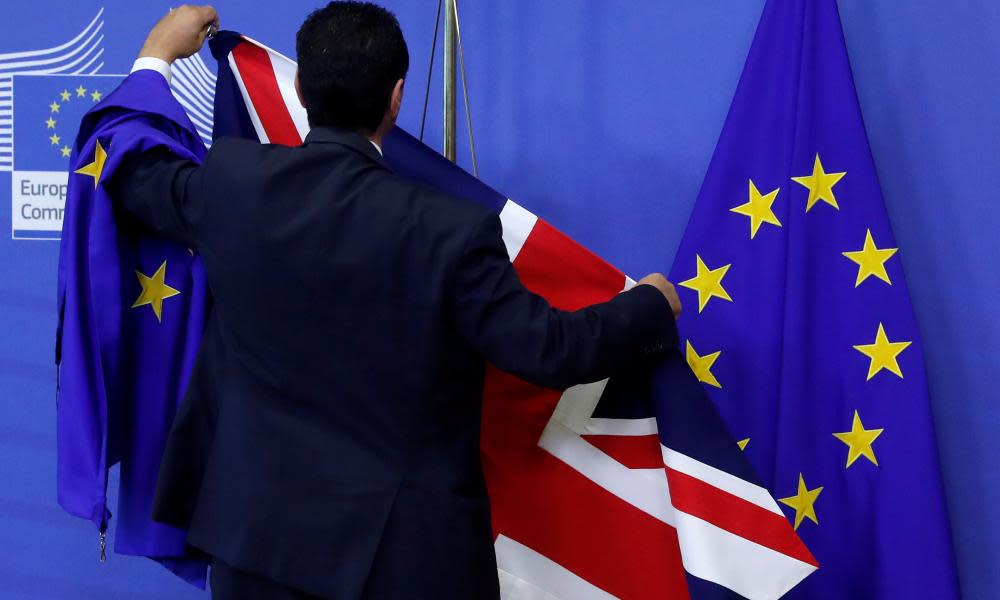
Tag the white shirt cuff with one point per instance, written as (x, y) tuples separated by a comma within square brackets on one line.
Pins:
[(154, 64)]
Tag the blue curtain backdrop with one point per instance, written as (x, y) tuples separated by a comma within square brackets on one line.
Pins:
[(602, 116)]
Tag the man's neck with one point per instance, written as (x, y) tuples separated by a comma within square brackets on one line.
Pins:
[(388, 122), (376, 136)]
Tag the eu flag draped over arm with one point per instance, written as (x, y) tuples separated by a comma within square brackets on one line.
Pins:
[(801, 326), (131, 313)]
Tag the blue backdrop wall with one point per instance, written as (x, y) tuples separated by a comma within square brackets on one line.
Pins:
[(602, 116)]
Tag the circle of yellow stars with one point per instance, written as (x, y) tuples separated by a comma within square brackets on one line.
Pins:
[(64, 97), (882, 353)]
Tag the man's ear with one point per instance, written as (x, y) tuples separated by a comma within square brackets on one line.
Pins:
[(396, 102), (298, 89)]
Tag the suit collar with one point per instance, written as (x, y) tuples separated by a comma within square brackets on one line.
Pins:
[(345, 137)]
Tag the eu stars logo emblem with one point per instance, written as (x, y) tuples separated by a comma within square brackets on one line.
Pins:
[(46, 116)]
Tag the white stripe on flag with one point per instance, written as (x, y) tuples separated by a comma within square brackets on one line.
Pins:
[(577, 404), (622, 426), (517, 225), (645, 489), (538, 577), (740, 488), (254, 117), (284, 73), (746, 567)]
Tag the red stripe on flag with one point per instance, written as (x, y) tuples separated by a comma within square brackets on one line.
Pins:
[(258, 77), (542, 502), (545, 504), (737, 516), (565, 273), (633, 451)]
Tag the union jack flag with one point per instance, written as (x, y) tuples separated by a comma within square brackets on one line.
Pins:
[(628, 488)]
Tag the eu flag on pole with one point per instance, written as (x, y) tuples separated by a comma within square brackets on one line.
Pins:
[(801, 326)]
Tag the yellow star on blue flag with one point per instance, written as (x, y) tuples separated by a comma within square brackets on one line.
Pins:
[(96, 167), (154, 290)]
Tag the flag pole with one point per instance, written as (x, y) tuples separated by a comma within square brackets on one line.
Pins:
[(450, 35)]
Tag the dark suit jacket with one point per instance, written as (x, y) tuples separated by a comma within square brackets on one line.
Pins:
[(329, 438)]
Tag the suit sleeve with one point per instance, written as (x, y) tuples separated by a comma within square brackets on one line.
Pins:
[(519, 332), (164, 193)]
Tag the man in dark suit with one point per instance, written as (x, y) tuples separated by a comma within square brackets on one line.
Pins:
[(328, 444)]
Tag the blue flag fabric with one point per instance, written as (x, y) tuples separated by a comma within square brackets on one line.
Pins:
[(800, 325), (131, 313)]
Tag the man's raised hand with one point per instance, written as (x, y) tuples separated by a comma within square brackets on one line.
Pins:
[(180, 33), (666, 288)]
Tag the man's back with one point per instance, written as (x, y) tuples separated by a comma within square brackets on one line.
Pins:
[(329, 438), (343, 379), (330, 277)]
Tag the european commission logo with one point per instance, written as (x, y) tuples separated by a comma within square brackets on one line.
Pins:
[(43, 96), (47, 113)]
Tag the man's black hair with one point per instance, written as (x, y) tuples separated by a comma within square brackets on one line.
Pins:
[(350, 56)]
